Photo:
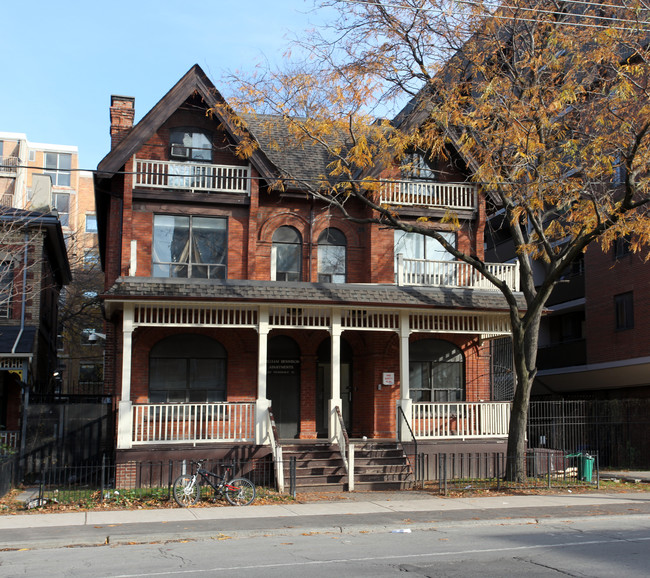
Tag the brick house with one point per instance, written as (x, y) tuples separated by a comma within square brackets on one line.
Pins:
[(225, 298), (34, 267)]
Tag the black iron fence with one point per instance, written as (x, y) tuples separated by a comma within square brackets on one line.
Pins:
[(618, 430), (542, 469), (105, 481), (7, 469)]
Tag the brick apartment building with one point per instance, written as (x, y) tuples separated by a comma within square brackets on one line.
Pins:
[(226, 298)]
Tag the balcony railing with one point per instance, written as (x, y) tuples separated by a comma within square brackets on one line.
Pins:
[(9, 165), (457, 196), (168, 423), (196, 177), (460, 420), (454, 274)]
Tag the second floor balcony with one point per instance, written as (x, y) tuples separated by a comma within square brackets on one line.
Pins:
[(9, 166), (195, 177), (456, 274), (432, 195)]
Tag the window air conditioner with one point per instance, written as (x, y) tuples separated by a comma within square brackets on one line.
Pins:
[(179, 151)]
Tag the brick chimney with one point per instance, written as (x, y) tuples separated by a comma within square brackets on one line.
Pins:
[(122, 115)]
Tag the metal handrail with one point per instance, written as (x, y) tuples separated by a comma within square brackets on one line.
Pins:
[(344, 441), (276, 449), (415, 441)]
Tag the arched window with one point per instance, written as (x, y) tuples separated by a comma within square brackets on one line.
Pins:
[(286, 255), (332, 248), (436, 371), (187, 368)]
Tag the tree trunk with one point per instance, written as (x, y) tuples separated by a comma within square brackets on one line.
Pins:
[(524, 344)]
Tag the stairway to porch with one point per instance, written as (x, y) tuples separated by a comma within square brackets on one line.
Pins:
[(378, 465)]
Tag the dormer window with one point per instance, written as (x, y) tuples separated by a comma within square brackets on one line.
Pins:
[(190, 145), (416, 167)]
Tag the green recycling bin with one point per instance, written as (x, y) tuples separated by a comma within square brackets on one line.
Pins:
[(585, 466)]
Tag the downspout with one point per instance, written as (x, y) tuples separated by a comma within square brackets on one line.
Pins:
[(22, 311), (311, 237)]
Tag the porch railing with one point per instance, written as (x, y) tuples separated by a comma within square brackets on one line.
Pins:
[(460, 420), (346, 449), (162, 423), (460, 196), (454, 274), (197, 177)]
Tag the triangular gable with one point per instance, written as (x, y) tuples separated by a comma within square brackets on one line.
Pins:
[(194, 81)]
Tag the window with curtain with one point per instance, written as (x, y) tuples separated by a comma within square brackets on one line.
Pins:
[(332, 249), (6, 288), (192, 247), (436, 371), (187, 368), (286, 255)]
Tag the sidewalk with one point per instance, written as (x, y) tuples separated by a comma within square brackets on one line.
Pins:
[(367, 512)]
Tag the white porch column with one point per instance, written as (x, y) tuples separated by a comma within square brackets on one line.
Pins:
[(405, 395), (262, 403), (335, 376), (125, 407)]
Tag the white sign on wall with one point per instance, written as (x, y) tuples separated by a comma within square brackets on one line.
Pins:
[(388, 379)]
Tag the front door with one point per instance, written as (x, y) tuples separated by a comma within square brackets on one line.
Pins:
[(323, 388), (283, 385)]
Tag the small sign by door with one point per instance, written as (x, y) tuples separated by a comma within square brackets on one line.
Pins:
[(388, 379)]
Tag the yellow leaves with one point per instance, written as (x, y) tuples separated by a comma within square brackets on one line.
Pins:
[(451, 217)]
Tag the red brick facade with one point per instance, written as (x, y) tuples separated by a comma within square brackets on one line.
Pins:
[(251, 224)]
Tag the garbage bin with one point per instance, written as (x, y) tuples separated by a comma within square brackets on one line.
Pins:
[(585, 466)]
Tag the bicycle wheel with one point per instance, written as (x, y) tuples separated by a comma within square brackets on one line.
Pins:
[(186, 490), (239, 492)]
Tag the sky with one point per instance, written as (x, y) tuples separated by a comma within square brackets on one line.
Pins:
[(64, 59)]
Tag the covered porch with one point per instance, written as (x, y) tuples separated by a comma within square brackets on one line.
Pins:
[(246, 419)]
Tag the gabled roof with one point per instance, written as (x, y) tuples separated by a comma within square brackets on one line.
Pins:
[(195, 81)]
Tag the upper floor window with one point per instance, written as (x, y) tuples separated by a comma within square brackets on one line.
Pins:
[(416, 166), (193, 247), (61, 202), (624, 310), (190, 145), (332, 248), (286, 255), (418, 246), (57, 166), (622, 247), (6, 288), (91, 223)]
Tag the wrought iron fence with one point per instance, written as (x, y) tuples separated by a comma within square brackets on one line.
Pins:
[(543, 469), (105, 481), (618, 430)]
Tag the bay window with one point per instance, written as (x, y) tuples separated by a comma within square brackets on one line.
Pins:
[(191, 247)]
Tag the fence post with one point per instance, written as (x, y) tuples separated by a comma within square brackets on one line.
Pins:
[(444, 473), (548, 468), (170, 474), (103, 473), (292, 476), (597, 471), (41, 488), (498, 470)]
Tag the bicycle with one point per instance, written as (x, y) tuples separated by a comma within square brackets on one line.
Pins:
[(187, 487)]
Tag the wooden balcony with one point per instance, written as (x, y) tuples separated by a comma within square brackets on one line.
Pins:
[(194, 177), (456, 274), (173, 423), (431, 195), (460, 420)]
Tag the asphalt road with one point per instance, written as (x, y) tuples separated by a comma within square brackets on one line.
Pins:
[(611, 545)]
